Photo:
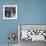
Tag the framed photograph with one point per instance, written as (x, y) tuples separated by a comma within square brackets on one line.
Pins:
[(31, 32), (9, 11)]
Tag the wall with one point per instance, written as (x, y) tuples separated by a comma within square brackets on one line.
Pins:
[(7, 26), (34, 12), (29, 12)]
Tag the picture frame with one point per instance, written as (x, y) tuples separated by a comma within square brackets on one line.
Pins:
[(9, 11), (38, 32)]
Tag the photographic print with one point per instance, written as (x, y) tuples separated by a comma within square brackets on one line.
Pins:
[(33, 32), (29, 34), (9, 11)]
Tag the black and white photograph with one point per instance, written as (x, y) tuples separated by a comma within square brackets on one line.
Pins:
[(31, 34), (9, 11)]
